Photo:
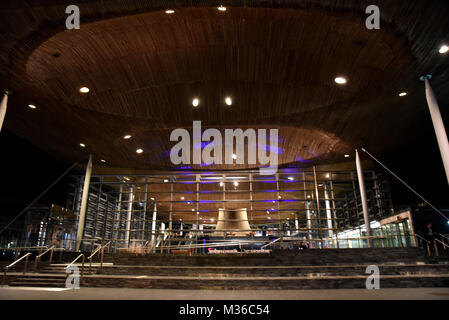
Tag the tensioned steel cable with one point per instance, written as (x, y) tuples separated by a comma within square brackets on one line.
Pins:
[(392, 173), (38, 197)]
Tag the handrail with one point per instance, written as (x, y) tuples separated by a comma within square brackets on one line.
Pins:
[(25, 248), (444, 245), (101, 255), (95, 251), (268, 244), (25, 256), (76, 259), (427, 245), (12, 264), (417, 235), (38, 258)]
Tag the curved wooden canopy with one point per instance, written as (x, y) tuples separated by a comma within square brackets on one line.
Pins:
[(144, 67)]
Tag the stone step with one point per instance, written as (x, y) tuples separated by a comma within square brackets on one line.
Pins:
[(260, 283), (37, 284), (273, 271)]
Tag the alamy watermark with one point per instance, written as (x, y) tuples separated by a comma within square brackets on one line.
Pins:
[(73, 20), (212, 153), (373, 20), (73, 277), (373, 281)]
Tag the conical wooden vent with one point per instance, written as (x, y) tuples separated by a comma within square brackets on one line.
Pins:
[(235, 222)]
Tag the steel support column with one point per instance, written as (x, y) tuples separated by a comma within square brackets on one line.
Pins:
[(438, 125), (84, 198), (363, 196), (128, 219)]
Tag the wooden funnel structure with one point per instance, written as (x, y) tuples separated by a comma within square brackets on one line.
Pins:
[(234, 221)]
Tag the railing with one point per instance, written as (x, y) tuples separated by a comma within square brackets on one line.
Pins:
[(426, 241), (38, 258), (76, 259), (101, 250), (269, 244), (444, 237), (436, 248), (12, 264)]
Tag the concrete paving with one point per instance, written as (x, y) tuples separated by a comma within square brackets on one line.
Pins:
[(28, 293)]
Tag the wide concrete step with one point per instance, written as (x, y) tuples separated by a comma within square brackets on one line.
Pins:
[(237, 271), (287, 257), (259, 283), (37, 284)]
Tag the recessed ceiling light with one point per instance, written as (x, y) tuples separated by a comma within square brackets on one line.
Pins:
[(212, 220), (32, 106), (201, 218), (308, 197), (228, 101), (221, 8), (443, 49), (340, 80), (403, 94), (279, 197), (139, 150), (170, 11), (290, 178), (102, 160), (269, 218), (195, 102), (347, 155), (152, 198), (82, 145), (165, 180), (126, 178), (234, 156), (182, 198), (128, 136), (288, 218), (236, 184), (84, 90), (221, 184)]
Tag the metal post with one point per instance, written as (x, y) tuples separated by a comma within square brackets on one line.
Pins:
[(170, 216), (438, 125), (328, 212), (153, 227), (117, 214), (84, 198), (363, 196), (318, 207), (334, 215), (3, 106), (128, 219), (145, 208)]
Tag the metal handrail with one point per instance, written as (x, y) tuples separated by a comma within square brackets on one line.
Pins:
[(101, 255), (427, 245), (76, 259), (444, 245), (95, 251), (25, 256), (269, 244), (38, 258), (417, 235), (12, 264), (25, 248)]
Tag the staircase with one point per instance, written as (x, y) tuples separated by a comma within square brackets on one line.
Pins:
[(310, 269)]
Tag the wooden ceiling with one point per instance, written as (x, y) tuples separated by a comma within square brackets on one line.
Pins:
[(277, 62)]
